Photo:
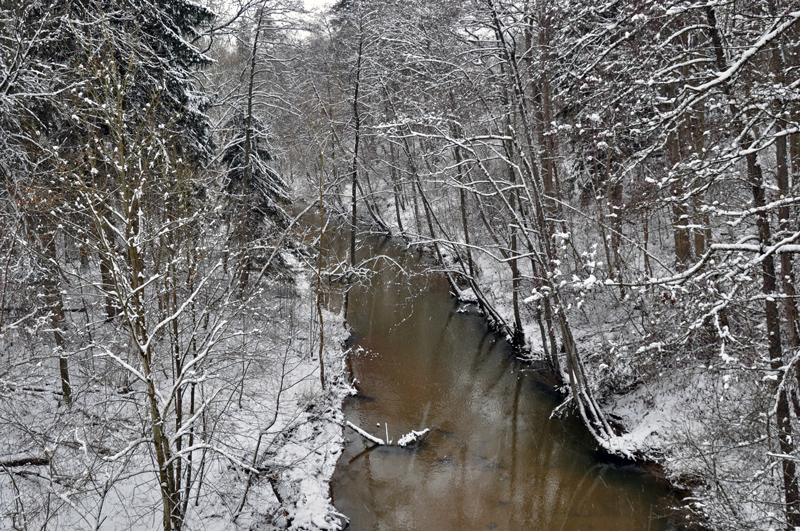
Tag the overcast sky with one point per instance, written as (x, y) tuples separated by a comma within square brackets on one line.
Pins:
[(313, 4)]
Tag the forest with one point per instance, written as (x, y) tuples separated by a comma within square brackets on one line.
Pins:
[(615, 184)]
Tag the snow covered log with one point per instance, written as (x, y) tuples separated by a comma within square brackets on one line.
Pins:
[(366, 435), (412, 437), (407, 439)]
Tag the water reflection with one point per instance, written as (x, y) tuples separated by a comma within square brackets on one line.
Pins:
[(494, 460)]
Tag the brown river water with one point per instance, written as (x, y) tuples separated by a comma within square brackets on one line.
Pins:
[(493, 459)]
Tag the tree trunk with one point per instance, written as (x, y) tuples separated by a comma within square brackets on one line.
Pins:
[(55, 305), (462, 195), (356, 141), (769, 288), (772, 316), (680, 212)]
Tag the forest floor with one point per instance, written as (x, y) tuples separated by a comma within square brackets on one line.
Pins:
[(311, 437), (263, 405)]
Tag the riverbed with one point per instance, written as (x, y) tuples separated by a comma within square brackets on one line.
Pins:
[(493, 459)]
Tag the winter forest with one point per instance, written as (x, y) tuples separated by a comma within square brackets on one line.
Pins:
[(189, 186)]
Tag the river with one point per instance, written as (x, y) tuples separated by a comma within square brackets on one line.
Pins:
[(493, 459)]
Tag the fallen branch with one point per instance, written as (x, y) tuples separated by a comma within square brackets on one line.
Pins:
[(366, 435), (12, 461), (412, 437), (407, 439)]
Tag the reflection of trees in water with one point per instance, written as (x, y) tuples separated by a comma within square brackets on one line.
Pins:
[(494, 455)]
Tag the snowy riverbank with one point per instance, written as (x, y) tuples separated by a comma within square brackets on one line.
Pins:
[(258, 439), (307, 440), (666, 406)]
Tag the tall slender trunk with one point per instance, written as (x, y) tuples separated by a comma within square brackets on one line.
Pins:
[(55, 306), (680, 211), (319, 278), (648, 270), (396, 189), (107, 281), (769, 288), (784, 211), (519, 335), (772, 316), (356, 141), (462, 196)]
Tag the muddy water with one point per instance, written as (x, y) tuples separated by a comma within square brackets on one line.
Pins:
[(494, 459)]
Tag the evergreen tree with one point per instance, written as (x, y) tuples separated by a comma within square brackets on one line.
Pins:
[(153, 44), (169, 30), (248, 175)]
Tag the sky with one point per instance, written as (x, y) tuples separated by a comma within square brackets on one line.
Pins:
[(314, 4)]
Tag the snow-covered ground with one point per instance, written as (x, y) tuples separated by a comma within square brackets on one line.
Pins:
[(266, 436)]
